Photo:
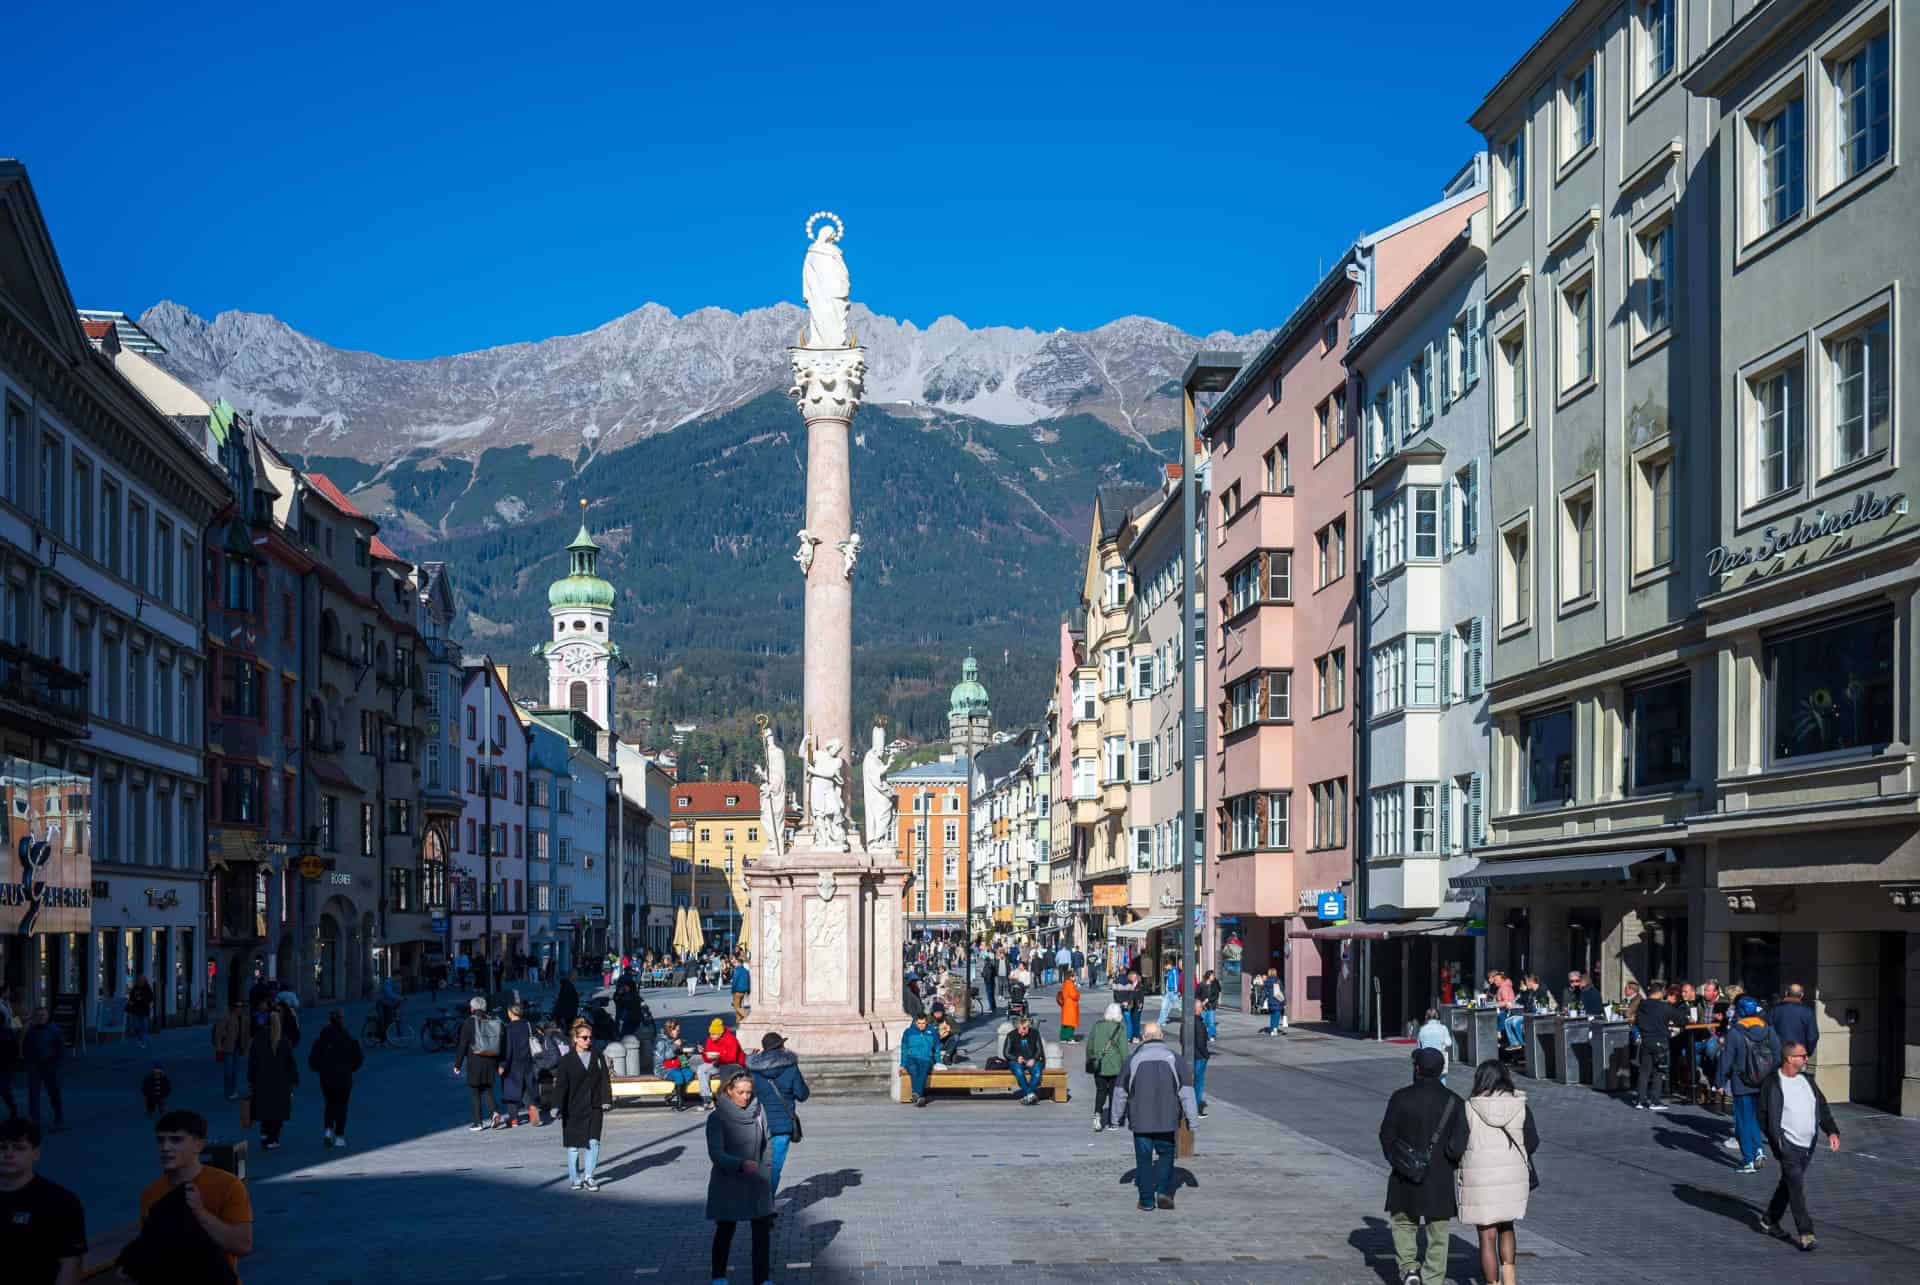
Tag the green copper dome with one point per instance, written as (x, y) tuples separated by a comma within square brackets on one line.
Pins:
[(582, 586), (969, 697)]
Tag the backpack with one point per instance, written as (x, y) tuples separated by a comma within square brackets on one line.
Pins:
[(486, 1035), (1759, 1061)]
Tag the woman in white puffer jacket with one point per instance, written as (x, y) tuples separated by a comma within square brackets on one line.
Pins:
[(1495, 1173)]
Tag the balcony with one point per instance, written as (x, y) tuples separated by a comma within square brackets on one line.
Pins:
[(41, 695)]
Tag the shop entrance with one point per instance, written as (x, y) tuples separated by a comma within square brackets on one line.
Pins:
[(326, 959), (1889, 1068)]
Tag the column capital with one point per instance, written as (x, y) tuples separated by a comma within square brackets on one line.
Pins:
[(828, 383)]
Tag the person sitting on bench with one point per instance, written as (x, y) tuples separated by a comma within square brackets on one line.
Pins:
[(672, 1061), (1026, 1055)]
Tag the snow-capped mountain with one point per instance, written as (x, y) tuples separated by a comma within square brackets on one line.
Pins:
[(649, 371)]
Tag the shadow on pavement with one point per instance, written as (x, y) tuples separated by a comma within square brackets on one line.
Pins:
[(1700, 1144), (1181, 1178), (1374, 1241), (653, 1161), (1715, 1202), (822, 1186)]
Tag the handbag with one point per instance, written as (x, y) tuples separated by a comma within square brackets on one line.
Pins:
[(1412, 1162), (793, 1112)]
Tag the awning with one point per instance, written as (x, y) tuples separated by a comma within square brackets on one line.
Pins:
[(1579, 867), (1380, 930), (330, 773), (1141, 927)]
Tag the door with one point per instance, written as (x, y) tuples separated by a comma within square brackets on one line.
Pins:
[(1890, 1059)]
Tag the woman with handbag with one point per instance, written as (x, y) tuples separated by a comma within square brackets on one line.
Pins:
[(1496, 1169), (1106, 1057), (778, 1084)]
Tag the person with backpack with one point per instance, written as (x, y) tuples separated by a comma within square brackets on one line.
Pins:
[(1751, 1056), (477, 1053), (1152, 1096), (1423, 1135), (780, 1087), (1106, 1055)]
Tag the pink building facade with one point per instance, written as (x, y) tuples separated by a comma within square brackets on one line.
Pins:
[(1280, 630)]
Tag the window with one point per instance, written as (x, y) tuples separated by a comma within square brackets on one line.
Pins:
[(137, 543), (163, 561), (1661, 718), (1510, 380), (1653, 503), (1258, 820), (1423, 813), (1279, 472), (240, 796), (239, 688), (1576, 333), (366, 829), (1330, 813), (53, 482), (1780, 141), (1116, 760), (1548, 741), (400, 819), (1388, 809), (1656, 41), (163, 699), (1577, 546), (1862, 374), (1513, 174), (1390, 519), (1330, 681), (1086, 699), (950, 835), (1419, 404), (1267, 576), (1863, 97), (1116, 587), (566, 851), (1466, 507), (1330, 544), (1779, 447), (1264, 696), (1085, 774), (1655, 264), (1516, 578), (1462, 663), (1143, 676), (1330, 423), (1426, 670), (330, 823), (1577, 112), (1832, 689), (81, 510), (1389, 665), (1426, 521), (12, 452), (1330, 335)]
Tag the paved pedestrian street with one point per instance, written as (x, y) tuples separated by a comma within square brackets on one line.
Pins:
[(1286, 1184)]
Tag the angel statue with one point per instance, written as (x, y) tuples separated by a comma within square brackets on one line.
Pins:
[(826, 788), (823, 284), (804, 554), (806, 774), (773, 791), (879, 799), (850, 551)]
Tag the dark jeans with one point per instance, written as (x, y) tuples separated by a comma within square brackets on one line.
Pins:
[(1653, 1073), (989, 981), (47, 1077), (1103, 1098), (762, 1248), (1153, 1165), (1028, 1077), (917, 1072), (333, 1108), (1793, 1188), (482, 1093)]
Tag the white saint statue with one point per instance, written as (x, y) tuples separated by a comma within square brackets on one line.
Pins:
[(826, 788), (773, 793), (804, 554), (823, 284), (879, 799), (806, 782), (849, 552)]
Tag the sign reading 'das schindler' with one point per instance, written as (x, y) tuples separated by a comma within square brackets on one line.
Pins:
[(1778, 541), (46, 873)]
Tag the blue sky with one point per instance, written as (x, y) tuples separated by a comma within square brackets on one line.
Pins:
[(448, 177)]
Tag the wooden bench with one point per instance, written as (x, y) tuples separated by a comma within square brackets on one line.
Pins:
[(1053, 1081), (641, 1088)]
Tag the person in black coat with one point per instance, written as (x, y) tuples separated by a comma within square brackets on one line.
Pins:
[(1429, 1118), (582, 1095), (479, 1057), (334, 1057), (271, 1077), (517, 1072), (1652, 1018), (566, 1005)]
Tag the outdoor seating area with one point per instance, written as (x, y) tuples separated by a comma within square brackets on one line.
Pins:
[(977, 1082)]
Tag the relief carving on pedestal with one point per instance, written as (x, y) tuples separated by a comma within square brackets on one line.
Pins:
[(826, 950), (770, 948)]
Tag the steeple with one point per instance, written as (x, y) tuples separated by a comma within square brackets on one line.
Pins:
[(582, 585), (580, 653), (969, 715)]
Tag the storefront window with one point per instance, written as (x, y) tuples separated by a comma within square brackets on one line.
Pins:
[(1833, 688), (1549, 739), (1661, 748)]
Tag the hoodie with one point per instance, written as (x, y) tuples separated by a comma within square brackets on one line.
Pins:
[(777, 1086)]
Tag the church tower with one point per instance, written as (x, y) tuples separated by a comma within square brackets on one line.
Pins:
[(580, 653), (969, 719)]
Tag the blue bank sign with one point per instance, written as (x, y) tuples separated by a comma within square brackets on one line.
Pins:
[(1332, 905)]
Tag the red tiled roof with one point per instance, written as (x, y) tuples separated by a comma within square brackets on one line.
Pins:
[(709, 798), (380, 550), (96, 329), (333, 495)]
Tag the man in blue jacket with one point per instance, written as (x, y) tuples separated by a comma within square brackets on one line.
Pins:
[(778, 1086), (1793, 1020), (919, 1049), (1748, 1030), (742, 986)]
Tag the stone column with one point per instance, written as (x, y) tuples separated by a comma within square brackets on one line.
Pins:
[(828, 384)]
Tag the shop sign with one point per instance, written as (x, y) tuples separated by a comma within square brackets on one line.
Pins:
[(1109, 895), (312, 867), (46, 879), (1310, 897), (163, 899), (1332, 905), (438, 924), (340, 878), (1778, 541)]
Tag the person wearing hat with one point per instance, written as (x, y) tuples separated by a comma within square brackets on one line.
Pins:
[(780, 1087), (1425, 1124), (721, 1054)]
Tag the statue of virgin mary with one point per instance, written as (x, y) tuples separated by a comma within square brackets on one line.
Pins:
[(823, 284)]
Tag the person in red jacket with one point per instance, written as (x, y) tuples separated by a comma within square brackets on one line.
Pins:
[(722, 1053)]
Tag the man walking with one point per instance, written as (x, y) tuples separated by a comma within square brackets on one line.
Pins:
[(1170, 994), (139, 1008), (1423, 1135), (1794, 1112), (989, 968), (1433, 1034), (1793, 1019), (191, 1210), (1153, 1095), (742, 987), (43, 1229)]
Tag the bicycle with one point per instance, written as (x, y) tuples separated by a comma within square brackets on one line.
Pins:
[(397, 1033), (439, 1032)]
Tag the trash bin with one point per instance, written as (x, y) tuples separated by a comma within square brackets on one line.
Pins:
[(1611, 1056), (230, 1156), (1543, 1044), (1574, 1062)]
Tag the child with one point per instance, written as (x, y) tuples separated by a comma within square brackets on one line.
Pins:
[(154, 1089)]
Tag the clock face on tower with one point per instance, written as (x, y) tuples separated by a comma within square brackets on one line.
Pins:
[(578, 660)]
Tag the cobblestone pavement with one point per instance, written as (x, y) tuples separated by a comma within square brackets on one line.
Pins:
[(1286, 1185)]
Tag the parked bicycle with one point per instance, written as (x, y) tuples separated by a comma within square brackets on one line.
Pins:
[(440, 1030), (395, 1034)]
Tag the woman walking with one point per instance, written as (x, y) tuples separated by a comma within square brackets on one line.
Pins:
[(741, 1147), (517, 1073), (1496, 1170), (271, 1075), (1106, 1057), (582, 1094), (334, 1057), (1069, 1001)]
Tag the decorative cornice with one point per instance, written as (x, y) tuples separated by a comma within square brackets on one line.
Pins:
[(1583, 223)]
